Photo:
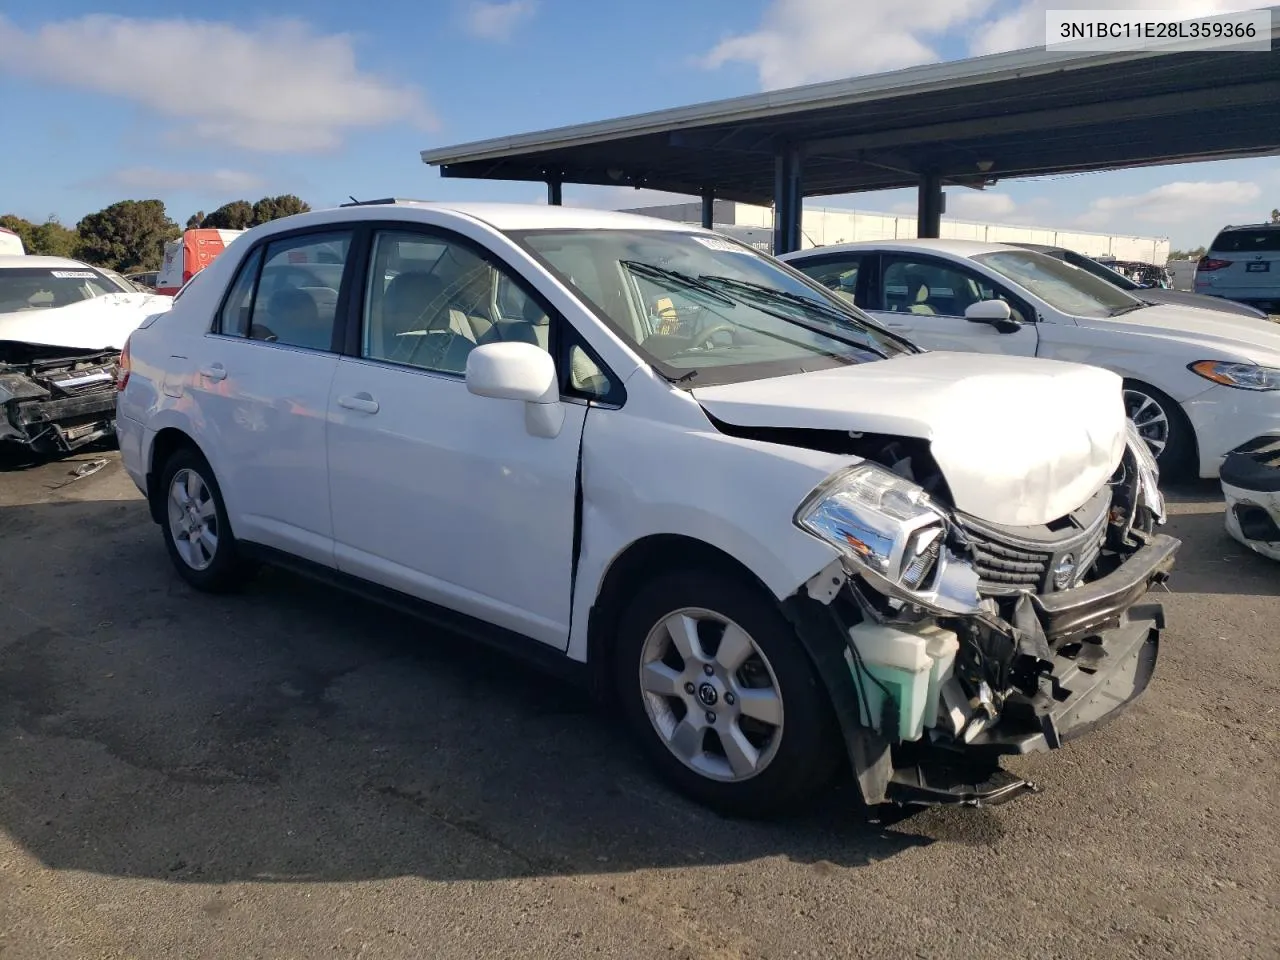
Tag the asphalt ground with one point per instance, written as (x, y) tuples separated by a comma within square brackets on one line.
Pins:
[(293, 773)]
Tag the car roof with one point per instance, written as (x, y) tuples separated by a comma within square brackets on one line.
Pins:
[(29, 260), (956, 248), (1249, 226), (500, 216)]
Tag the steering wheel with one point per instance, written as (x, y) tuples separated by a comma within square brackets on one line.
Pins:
[(702, 339)]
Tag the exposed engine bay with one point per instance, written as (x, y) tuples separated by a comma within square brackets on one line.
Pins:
[(56, 399), (967, 639)]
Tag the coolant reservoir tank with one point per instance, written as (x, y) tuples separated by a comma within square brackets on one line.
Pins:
[(907, 664)]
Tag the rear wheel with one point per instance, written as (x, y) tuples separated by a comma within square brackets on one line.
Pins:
[(723, 698), (196, 530), (1164, 427)]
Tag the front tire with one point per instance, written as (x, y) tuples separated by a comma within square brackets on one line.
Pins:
[(1164, 427), (196, 530), (722, 697)]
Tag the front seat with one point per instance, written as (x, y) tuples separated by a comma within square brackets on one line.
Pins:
[(918, 295), (418, 325)]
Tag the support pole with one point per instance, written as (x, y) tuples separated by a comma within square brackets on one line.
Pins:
[(788, 200), (553, 191), (930, 206), (708, 208)]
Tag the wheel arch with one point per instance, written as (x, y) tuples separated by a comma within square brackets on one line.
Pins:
[(166, 442), (639, 561), (1191, 456)]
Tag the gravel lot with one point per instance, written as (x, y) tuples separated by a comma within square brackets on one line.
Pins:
[(293, 773)]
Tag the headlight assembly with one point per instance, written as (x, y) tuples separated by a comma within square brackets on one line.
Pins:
[(882, 522), (1243, 376)]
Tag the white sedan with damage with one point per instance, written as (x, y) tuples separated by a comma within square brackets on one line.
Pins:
[(775, 538), (62, 326)]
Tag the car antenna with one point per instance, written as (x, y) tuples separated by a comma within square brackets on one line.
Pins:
[(353, 200)]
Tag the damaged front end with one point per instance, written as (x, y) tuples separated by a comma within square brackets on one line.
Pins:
[(54, 400), (947, 641)]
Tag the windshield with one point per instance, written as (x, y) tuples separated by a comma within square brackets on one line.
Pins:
[(41, 288), (1065, 288), (706, 309)]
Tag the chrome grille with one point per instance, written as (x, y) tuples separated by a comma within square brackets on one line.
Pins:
[(1012, 559)]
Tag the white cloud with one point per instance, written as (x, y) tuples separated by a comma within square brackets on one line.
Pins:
[(276, 87), (805, 41), (497, 21), (1171, 204), (154, 182)]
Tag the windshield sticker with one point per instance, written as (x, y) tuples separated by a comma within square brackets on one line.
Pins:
[(724, 246), (74, 274)]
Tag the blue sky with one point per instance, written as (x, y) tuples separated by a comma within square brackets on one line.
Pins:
[(239, 99)]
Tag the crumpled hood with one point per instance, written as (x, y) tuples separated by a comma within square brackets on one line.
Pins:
[(101, 323), (1212, 334), (1020, 440)]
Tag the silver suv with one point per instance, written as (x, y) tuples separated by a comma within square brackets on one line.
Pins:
[(1243, 264)]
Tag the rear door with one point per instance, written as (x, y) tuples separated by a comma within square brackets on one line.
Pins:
[(924, 298)]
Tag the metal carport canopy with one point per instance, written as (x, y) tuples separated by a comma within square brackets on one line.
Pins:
[(970, 122)]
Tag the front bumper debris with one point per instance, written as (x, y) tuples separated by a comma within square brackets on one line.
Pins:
[(1096, 648), (53, 404)]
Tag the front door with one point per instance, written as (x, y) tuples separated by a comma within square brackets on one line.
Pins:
[(261, 382), (437, 492), (924, 298)]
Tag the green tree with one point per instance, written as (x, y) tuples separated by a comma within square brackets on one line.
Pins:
[(129, 235), (195, 220), (1275, 216), (48, 239), (236, 215), (1195, 254), (273, 208)]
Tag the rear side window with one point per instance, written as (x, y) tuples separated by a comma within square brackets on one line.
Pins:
[(1247, 241), (288, 294), (234, 319)]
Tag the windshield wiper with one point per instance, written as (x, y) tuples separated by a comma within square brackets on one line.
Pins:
[(844, 323), (1119, 311), (649, 271)]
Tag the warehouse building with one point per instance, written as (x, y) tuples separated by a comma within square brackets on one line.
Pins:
[(824, 226)]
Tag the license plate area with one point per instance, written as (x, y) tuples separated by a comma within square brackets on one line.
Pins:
[(1262, 267)]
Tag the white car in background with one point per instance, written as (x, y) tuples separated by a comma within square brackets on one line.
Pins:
[(1243, 265), (62, 326), (1198, 383), (773, 537), (1251, 486)]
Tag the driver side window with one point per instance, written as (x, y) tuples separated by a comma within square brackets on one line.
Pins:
[(430, 301), (932, 288)]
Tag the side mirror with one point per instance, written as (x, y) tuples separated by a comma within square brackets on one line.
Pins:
[(996, 313), (519, 371), (510, 371)]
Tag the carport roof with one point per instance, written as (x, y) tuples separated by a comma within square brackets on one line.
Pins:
[(1026, 113)]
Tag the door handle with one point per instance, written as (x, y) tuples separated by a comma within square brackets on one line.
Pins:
[(361, 401), (215, 372)]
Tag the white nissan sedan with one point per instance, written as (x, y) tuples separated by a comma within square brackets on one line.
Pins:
[(774, 537), (1198, 383)]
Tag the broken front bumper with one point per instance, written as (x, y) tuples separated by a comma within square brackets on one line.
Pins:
[(59, 426), (1102, 645), (1251, 486)]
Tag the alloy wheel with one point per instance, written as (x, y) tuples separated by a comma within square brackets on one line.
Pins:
[(711, 694), (193, 519), (1150, 417)]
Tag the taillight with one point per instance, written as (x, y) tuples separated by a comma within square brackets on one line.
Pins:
[(1208, 263), (122, 368)]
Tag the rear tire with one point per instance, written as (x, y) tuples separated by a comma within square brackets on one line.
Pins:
[(1164, 426), (773, 744), (194, 520)]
